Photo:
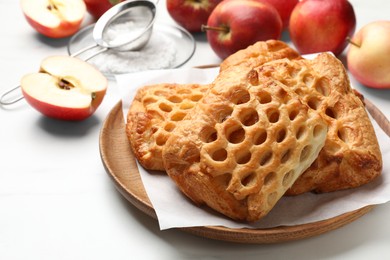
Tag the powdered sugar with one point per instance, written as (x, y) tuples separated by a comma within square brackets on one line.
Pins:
[(169, 47), (120, 33), (159, 53)]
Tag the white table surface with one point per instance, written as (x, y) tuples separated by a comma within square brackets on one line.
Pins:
[(57, 202)]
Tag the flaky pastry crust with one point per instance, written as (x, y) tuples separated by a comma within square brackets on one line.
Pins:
[(350, 156), (156, 109), (153, 114), (244, 144)]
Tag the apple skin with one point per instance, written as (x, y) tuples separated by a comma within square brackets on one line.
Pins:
[(320, 26), (64, 29), (97, 8), (284, 8), (368, 58), (191, 14), (53, 23), (245, 22), (43, 91), (60, 112)]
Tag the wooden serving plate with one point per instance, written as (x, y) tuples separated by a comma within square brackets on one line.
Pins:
[(120, 164)]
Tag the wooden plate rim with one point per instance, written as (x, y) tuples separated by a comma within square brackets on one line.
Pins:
[(113, 136)]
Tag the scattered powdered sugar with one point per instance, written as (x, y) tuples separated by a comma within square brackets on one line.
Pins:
[(159, 53)]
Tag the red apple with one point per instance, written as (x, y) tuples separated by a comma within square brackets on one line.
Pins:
[(65, 88), (319, 26), (98, 7), (368, 57), (191, 14), (54, 18), (284, 8), (235, 24)]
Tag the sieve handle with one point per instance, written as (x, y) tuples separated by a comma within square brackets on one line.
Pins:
[(78, 53), (5, 99), (95, 54)]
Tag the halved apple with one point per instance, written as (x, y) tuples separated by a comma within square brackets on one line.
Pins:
[(54, 18), (65, 88)]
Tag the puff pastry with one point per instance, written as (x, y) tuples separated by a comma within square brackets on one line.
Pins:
[(153, 114), (350, 156), (157, 109), (244, 144)]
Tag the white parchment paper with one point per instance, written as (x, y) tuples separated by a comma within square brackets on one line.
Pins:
[(173, 209)]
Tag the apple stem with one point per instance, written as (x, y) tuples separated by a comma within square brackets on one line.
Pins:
[(214, 28), (352, 42), (114, 2)]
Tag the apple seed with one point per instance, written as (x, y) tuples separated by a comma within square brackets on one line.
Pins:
[(54, 6), (64, 84), (51, 7)]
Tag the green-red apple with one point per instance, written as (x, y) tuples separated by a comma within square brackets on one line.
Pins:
[(368, 56), (191, 14), (65, 88), (235, 24), (54, 18), (320, 26)]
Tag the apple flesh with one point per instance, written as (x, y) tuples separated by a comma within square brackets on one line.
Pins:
[(191, 14), (320, 26), (98, 7), (284, 8), (54, 18), (65, 88), (235, 24), (368, 57)]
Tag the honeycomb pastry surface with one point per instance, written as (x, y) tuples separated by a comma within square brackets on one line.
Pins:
[(351, 156), (153, 114), (244, 145), (157, 109)]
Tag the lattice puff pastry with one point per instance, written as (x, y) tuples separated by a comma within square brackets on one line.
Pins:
[(243, 145), (153, 114), (351, 156), (157, 109)]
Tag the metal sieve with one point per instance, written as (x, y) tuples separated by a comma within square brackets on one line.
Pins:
[(126, 26)]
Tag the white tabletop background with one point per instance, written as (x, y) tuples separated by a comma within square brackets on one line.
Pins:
[(57, 202)]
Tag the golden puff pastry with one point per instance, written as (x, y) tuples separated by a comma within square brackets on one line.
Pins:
[(153, 114), (257, 54), (351, 156), (157, 109), (244, 145)]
